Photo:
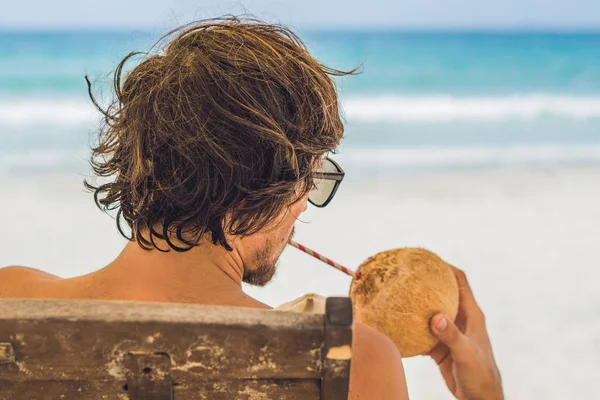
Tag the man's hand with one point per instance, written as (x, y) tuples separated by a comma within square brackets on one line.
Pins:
[(464, 353)]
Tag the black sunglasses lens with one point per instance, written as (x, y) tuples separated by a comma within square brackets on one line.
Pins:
[(324, 188), (322, 191)]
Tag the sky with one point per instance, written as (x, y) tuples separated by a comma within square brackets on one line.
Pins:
[(321, 14)]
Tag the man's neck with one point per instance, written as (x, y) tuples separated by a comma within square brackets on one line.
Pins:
[(206, 274)]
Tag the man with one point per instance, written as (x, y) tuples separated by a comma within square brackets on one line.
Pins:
[(213, 148)]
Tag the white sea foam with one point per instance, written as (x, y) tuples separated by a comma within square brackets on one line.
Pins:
[(465, 156), (409, 109), (357, 159), (447, 108), (43, 160), (43, 112)]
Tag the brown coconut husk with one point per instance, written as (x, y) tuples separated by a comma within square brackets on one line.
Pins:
[(398, 293)]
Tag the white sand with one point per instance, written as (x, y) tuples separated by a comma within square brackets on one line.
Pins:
[(528, 239)]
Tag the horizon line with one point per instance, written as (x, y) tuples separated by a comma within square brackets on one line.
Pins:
[(325, 29)]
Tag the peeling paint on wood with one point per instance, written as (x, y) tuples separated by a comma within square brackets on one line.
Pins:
[(18, 337), (152, 338), (22, 368), (340, 353), (253, 394), (7, 355), (264, 363)]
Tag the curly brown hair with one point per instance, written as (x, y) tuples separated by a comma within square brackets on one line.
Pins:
[(216, 134)]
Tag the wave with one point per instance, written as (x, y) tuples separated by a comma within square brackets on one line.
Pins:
[(24, 113), (470, 156), (359, 160), (408, 109), (446, 108), (50, 160)]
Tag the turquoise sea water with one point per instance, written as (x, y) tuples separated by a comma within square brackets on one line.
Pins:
[(427, 99)]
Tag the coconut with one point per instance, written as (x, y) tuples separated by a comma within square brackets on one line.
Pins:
[(398, 293)]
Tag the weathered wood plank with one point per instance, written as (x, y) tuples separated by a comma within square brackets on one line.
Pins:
[(57, 390), (337, 351), (149, 376), (133, 311), (252, 390), (200, 390), (53, 349), (88, 340), (7, 355)]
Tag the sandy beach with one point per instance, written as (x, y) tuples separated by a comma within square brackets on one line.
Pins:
[(527, 238)]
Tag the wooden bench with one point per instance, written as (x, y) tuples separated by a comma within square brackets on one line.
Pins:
[(88, 349)]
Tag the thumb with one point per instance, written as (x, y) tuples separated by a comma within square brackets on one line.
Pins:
[(449, 334)]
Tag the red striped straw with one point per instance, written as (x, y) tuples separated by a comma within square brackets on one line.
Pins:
[(355, 275)]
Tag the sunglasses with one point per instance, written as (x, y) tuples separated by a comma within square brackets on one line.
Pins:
[(327, 180)]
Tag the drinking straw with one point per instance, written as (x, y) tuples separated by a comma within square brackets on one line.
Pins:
[(355, 275)]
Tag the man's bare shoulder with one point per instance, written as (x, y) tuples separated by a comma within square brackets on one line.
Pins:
[(377, 371), (20, 272), (17, 281)]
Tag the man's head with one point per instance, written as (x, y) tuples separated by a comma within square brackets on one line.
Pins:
[(217, 138)]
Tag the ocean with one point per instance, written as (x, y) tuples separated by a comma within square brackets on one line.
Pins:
[(482, 147), (429, 100)]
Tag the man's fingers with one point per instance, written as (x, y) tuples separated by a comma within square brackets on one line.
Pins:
[(463, 285), (439, 353), (467, 303), (459, 345)]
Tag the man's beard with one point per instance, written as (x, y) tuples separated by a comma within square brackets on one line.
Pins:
[(261, 275), (264, 265)]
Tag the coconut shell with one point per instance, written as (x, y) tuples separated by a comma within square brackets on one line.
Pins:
[(398, 293)]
